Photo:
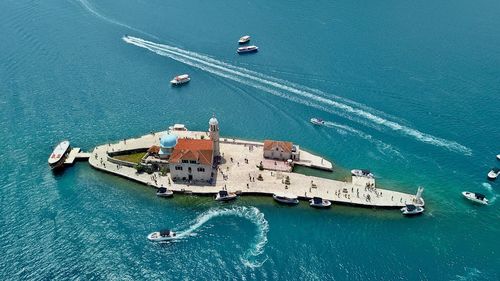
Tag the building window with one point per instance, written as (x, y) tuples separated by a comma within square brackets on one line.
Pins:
[(178, 168), (201, 169), (185, 161), (192, 161)]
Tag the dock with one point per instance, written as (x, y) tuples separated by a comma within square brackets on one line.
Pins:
[(76, 154), (242, 176)]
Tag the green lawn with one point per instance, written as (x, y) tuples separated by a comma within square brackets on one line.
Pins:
[(134, 158)]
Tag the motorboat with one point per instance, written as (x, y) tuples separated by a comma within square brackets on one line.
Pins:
[(411, 210), (317, 121), (181, 79), (498, 156), (318, 202), (58, 155), (164, 192), (493, 174), (286, 199), (247, 49), (223, 195), (244, 39), (362, 173), (178, 127), (475, 197), (162, 235)]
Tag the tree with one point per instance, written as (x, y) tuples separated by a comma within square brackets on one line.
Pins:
[(140, 168)]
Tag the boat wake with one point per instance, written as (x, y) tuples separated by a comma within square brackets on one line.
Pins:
[(296, 93), (252, 257)]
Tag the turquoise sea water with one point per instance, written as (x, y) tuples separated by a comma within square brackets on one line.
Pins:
[(410, 91)]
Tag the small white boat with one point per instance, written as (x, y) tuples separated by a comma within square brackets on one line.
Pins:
[(181, 79), (362, 173), (247, 49), (498, 156), (164, 192), (318, 202), (178, 127), (244, 39), (317, 121), (411, 210), (223, 195), (475, 197), (493, 174), (162, 235), (286, 199), (58, 155)]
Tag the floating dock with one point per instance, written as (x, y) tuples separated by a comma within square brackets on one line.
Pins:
[(76, 155), (242, 176)]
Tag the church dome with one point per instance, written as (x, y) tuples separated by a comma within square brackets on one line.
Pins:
[(213, 121), (168, 141)]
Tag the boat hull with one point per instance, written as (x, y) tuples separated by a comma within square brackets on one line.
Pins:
[(320, 206), (156, 237), (471, 197), (165, 194), (289, 201)]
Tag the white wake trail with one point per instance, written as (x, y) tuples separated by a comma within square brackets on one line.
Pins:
[(222, 67), (251, 257)]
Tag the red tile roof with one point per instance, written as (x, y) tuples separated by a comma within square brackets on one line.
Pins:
[(193, 149), (285, 146)]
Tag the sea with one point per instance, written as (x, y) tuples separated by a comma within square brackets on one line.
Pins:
[(407, 89)]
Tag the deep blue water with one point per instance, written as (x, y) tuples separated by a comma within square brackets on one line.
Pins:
[(409, 88)]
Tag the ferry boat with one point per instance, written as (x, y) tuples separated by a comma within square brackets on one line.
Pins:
[(244, 39), (223, 195), (475, 197), (362, 173), (493, 174), (181, 79), (57, 157), (247, 49), (317, 121), (411, 210), (318, 202), (162, 235), (164, 192), (286, 199)]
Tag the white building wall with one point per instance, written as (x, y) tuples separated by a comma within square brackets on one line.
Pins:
[(184, 173)]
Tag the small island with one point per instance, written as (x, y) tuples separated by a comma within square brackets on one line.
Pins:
[(203, 163)]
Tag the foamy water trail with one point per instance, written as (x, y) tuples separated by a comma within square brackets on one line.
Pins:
[(252, 257), (237, 74)]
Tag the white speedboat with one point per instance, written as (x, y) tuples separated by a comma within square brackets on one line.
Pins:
[(411, 210), (318, 202), (223, 195), (164, 192), (493, 174), (178, 127), (286, 199), (362, 173), (498, 156), (475, 197), (244, 39), (181, 79), (58, 155), (317, 121), (162, 235), (247, 49)]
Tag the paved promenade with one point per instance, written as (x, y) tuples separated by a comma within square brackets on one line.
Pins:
[(240, 175)]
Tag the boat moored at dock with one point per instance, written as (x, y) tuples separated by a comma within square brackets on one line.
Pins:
[(179, 80), (164, 192), (162, 235), (475, 197), (286, 199), (225, 196), (317, 121), (244, 39), (412, 210), (247, 49), (58, 155), (318, 202), (493, 174), (362, 173)]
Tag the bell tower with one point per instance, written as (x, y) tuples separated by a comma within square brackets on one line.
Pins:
[(213, 131)]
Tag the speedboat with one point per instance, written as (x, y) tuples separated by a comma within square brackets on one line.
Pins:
[(475, 197), (181, 79), (164, 192), (247, 49), (493, 174), (178, 127), (243, 40), (286, 199), (317, 121), (223, 195), (410, 210), (318, 202), (498, 156), (58, 155), (162, 235), (362, 173)]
